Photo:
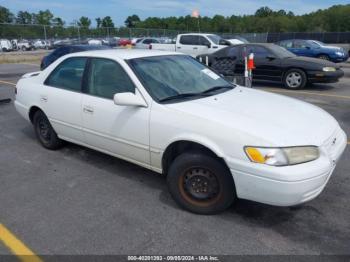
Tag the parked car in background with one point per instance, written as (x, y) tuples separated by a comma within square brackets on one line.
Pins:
[(39, 44), (237, 40), (6, 45), (124, 42), (167, 112), (317, 49), (144, 43), (25, 45), (194, 44), (111, 41), (63, 50), (95, 42), (274, 63), (135, 40)]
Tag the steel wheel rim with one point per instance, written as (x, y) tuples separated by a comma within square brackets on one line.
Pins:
[(44, 130), (294, 79), (199, 186)]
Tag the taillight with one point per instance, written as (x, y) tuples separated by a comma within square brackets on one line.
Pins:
[(150, 47)]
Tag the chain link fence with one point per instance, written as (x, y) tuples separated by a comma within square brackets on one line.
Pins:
[(81, 34)]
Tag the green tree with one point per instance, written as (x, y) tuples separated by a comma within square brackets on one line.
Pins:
[(58, 21), (5, 15), (131, 21), (84, 22), (98, 22), (24, 17), (107, 22), (264, 11), (44, 17)]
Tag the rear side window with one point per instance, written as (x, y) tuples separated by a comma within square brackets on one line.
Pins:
[(233, 52), (189, 40), (286, 44), (106, 78), (300, 44), (68, 74), (259, 51), (147, 41)]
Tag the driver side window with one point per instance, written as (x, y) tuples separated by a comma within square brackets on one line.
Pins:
[(106, 78)]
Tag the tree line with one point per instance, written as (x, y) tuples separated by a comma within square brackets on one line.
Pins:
[(333, 19)]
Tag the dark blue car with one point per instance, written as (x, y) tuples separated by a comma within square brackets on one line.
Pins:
[(63, 50), (313, 48)]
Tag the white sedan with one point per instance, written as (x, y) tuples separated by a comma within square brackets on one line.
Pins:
[(167, 112)]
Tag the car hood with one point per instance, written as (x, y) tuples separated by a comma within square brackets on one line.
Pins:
[(311, 60), (331, 47), (272, 119)]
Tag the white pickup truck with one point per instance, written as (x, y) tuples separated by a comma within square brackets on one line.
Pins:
[(194, 44)]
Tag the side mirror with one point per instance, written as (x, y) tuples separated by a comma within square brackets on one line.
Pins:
[(208, 45), (129, 99), (308, 47)]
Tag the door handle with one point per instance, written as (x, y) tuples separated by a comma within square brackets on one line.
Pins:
[(88, 109), (195, 48), (179, 47)]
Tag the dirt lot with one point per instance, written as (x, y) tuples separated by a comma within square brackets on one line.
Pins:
[(79, 201)]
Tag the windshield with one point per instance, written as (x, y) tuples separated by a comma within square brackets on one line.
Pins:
[(281, 52), (214, 38), (174, 76)]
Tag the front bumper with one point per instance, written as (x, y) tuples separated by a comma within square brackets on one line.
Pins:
[(290, 185), (325, 77)]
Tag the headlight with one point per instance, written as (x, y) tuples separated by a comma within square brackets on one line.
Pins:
[(282, 156), (339, 53), (329, 69)]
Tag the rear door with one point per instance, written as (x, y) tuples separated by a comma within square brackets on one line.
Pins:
[(61, 98), (192, 45)]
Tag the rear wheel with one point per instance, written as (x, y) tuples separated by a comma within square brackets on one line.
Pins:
[(45, 133), (295, 79), (200, 183)]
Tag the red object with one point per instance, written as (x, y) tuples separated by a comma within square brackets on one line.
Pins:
[(251, 62), (150, 47), (124, 42)]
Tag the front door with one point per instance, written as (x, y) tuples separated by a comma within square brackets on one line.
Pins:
[(122, 131), (267, 65)]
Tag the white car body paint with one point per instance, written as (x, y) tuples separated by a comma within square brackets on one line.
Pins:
[(224, 123)]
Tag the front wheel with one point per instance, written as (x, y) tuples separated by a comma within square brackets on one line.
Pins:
[(324, 57), (295, 79), (200, 183), (45, 133)]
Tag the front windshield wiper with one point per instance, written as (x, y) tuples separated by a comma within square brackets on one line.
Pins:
[(201, 94), (179, 96), (216, 88)]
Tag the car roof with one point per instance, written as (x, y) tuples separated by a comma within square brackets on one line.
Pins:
[(197, 34), (124, 54)]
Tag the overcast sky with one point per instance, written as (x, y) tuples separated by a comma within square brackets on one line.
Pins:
[(119, 10)]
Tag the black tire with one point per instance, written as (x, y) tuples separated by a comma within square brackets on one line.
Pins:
[(324, 57), (45, 133), (295, 79), (200, 183)]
